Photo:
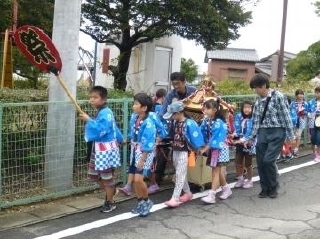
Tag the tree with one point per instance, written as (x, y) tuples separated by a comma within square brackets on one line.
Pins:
[(317, 6), (39, 14), (5, 18), (306, 64), (128, 23), (189, 68)]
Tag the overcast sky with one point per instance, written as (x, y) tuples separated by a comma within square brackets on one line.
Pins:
[(263, 34)]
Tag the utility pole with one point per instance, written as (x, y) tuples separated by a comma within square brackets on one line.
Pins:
[(283, 35), (60, 138)]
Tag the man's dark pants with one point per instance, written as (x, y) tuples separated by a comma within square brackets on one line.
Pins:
[(268, 148)]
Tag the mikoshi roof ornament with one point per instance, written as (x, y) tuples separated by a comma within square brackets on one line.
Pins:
[(194, 102)]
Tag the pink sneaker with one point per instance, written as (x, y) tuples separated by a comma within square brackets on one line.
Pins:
[(186, 197), (247, 184), (126, 190), (239, 183), (317, 159), (172, 203), (226, 192), (210, 198), (153, 188)]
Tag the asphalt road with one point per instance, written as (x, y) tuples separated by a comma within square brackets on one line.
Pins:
[(294, 214)]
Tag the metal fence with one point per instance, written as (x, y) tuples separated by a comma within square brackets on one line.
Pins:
[(23, 150)]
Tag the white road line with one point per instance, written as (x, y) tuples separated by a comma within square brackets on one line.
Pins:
[(124, 216)]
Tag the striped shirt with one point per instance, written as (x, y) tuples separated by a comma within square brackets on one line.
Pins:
[(277, 114)]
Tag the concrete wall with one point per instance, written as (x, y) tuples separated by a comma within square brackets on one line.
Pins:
[(221, 69), (141, 74)]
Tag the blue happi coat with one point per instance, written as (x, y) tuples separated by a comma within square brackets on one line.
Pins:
[(104, 132), (192, 134), (143, 139), (215, 135)]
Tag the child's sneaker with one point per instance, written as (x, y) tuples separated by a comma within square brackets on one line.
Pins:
[(295, 152), (153, 188), (108, 207), (172, 203), (145, 208), (137, 208), (210, 198), (239, 182), (186, 197), (288, 158), (317, 159), (226, 192), (248, 184), (126, 190)]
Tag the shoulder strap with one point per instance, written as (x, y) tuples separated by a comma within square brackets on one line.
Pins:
[(266, 107)]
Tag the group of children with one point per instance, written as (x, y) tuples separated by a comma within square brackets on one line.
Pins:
[(211, 138), (304, 115)]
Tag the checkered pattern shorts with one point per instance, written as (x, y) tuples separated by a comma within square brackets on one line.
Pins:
[(107, 155), (136, 154)]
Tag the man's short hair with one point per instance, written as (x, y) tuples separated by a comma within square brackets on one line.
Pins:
[(259, 80), (177, 76)]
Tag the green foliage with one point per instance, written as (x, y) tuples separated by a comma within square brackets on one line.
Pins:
[(126, 24), (317, 7), (306, 64), (241, 87), (39, 13), (189, 68), (5, 18), (19, 83), (24, 93)]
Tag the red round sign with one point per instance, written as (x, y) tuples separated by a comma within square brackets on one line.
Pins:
[(37, 47)]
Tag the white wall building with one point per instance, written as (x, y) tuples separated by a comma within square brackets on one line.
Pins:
[(150, 65)]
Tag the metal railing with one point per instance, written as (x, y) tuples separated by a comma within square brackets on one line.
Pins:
[(24, 150)]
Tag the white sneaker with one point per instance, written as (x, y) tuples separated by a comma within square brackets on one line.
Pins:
[(210, 198), (248, 184), (226, 192)]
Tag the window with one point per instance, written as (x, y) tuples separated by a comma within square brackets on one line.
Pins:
[(237, 73)]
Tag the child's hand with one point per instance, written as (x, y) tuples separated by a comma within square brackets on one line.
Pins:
[(140, 164), (84, 117), (202, 150)]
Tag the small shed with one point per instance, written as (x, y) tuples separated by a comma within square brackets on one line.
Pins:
[(231, 63)]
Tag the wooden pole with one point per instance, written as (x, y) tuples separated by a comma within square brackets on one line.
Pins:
[(281, 51), (4, 59)]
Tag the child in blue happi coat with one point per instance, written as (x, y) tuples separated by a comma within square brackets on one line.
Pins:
[(143, 140), (186, 136), (215, 130), (105, 137)]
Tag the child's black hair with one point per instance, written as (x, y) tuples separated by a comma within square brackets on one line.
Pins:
[(317, 89), (246, 102), (259, 80), (215, 104), (144, 100), (161, 93), (299, 92), (103, 93)]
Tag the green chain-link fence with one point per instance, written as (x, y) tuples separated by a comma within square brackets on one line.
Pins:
[(23, 150)]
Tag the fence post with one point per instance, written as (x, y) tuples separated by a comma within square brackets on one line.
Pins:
[(125, 136)]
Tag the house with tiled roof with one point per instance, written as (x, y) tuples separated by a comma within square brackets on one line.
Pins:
[(269, 65), (231, 63)]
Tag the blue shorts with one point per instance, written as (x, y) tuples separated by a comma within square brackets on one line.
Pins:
[(133, 170), (315, 136)]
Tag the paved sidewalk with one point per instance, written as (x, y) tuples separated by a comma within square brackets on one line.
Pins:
[(38, 212)]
